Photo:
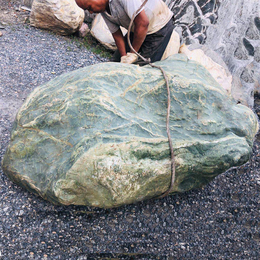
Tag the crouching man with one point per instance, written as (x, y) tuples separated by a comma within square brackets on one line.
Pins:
[(152, 32)]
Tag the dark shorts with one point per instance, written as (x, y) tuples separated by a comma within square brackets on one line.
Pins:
[(154, 44)]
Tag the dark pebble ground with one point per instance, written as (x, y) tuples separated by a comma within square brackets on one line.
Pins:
[(220, 221)]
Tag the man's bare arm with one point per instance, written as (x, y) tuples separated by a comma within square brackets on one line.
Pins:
[(141, 23), (120, 43)]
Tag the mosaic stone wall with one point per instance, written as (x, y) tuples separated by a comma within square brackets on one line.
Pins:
[(232, 29)]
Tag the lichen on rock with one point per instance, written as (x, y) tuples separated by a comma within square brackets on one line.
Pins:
[(97, 136)]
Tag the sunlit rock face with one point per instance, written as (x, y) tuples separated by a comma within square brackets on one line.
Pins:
[(60, 16), (97, 136)]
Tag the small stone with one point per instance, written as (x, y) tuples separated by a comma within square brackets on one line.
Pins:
[(84, 30), (1, 34)]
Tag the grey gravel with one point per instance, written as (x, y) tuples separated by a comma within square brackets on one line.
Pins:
[(219, 221)]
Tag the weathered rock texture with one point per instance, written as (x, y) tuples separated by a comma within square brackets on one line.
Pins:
[(60, 16), (236, 37), (97, 136)]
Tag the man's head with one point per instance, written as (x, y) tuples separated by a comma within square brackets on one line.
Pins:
[(93, 6)]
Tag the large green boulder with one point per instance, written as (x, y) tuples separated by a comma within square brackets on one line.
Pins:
[(97, 136)]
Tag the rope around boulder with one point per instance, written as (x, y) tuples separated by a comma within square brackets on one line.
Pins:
[(148, 61)]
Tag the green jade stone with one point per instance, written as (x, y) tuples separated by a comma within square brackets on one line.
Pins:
[(97, 136)]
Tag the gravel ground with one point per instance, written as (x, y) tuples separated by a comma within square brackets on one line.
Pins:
[(220, 221)]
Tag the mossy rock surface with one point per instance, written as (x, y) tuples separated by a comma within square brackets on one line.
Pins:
[(97, 136)]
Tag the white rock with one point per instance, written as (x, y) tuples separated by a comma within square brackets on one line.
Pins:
[(100, 31), (173, 46), (223, 77), (61, 16)]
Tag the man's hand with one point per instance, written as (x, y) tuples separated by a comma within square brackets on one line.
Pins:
[(129, 58), (141, 24), (120, 42)]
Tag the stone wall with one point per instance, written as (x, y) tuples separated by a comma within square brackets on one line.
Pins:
[(238, 42), (230, 28)]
